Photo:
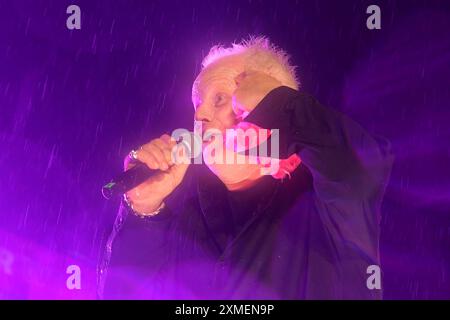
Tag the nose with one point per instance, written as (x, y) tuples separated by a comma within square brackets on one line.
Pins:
[(202, 113)]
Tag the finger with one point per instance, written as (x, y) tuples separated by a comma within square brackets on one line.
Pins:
[(166, 149), (130, 160), (148, 158), (168, 139), (294, 160), (158, 154), (128, 164), (286, 165), (180, 154), (171, 143)]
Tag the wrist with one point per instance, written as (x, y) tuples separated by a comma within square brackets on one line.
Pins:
[(147, 211)]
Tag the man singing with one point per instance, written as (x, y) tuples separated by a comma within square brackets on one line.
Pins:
[(310, 230)]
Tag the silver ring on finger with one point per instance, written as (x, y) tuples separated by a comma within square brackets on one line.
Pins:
[(132, 155)]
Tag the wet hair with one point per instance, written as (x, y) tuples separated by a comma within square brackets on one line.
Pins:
[(258, 54)]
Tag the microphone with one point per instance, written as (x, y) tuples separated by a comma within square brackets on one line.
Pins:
[(127, 180), (133, 177)]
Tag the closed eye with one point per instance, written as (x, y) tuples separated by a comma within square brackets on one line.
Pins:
[(219, 99)]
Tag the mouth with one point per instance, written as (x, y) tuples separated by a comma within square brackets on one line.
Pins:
[(203, 128)]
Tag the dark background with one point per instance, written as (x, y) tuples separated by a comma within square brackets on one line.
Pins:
[(74, 102)]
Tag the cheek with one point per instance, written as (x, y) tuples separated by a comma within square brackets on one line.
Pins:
[(240, 101), (226, 116), (238, 95), (243, 100)]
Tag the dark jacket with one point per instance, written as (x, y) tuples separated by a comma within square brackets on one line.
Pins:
[(312, 236)]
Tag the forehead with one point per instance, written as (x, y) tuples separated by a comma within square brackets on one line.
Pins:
[(213, 79), (217, 76)]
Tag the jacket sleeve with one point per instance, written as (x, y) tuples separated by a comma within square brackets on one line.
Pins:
[(344, 160), (135, 253)]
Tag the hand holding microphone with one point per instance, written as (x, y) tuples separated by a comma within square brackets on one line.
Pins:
[(152, 173)]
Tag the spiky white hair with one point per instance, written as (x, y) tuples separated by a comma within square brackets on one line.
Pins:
[(259, 54)]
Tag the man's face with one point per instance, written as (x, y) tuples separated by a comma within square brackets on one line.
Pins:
[(224, 93), (213, 103), (212, 99)]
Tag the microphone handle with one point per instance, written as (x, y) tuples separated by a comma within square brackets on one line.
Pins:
[(127, 180)]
